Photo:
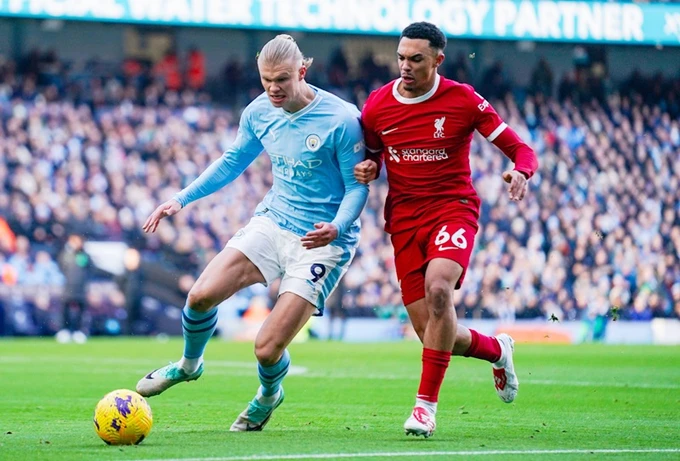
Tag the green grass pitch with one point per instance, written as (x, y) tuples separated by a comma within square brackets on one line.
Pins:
[(345, 401)]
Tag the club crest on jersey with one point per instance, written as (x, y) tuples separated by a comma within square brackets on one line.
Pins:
[(439, 127), (313, 142)]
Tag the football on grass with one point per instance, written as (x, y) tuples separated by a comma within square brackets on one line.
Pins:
[(122, 417)]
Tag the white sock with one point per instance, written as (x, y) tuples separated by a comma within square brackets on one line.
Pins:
[(190, 365), (267, 400), (429, 406)]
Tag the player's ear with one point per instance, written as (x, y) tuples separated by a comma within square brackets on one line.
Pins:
[(303, 71), (440, 59)]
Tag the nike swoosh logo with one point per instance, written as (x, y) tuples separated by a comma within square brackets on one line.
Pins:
[(389, 131), (149, 375)]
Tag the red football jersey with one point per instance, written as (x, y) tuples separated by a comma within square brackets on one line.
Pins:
[(425, 142)]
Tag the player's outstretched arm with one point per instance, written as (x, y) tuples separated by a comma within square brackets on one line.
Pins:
[(168, 208), (214, 178), (220, 173), (229, 166)]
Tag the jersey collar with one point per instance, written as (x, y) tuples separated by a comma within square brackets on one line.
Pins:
[(296, 115), (421, 98)]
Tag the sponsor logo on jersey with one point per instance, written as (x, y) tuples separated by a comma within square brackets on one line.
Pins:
[(291, 167), (417, 155), (313, 142), (439, 127), (282, 160), (394, 155)]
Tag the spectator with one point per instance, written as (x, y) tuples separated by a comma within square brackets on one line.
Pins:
[(494, 84), (459, 69), (195, 69), (168, 71), (542, 79), (75, 264)]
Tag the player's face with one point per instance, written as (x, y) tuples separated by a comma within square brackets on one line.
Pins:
[(282, 82), (418, 63)]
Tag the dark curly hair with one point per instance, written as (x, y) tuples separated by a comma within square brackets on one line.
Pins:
[(426, 31)]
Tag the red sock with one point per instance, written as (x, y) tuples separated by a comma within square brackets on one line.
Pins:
[(435, 364), (484, 347)]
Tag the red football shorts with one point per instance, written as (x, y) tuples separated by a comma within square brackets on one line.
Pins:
[(449, 237)]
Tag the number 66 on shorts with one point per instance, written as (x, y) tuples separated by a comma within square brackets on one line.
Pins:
[(447, 241), (451, 238)]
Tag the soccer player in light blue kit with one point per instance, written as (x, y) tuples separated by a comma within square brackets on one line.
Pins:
[(305, 230)]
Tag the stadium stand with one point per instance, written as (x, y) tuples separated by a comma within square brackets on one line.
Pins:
[(92, 152)]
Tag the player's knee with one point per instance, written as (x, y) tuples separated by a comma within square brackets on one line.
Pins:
[(268, 352), (199, 298), (439, 293)]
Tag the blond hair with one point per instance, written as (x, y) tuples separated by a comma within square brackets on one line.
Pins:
[(280, 49)]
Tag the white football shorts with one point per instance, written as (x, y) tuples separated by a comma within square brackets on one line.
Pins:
[(276, 252)]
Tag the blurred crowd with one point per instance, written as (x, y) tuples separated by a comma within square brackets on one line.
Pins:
[(87, 156)]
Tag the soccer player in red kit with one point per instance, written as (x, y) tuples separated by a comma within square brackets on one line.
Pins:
[(421, 125)]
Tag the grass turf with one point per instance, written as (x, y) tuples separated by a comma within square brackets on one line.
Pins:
[(345, 399)]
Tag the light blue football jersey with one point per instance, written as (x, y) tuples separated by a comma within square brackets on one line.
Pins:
[(313, 153)]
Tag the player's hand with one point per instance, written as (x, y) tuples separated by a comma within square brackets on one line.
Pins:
[(168, 208), (324, 234), (518, 184), (365, 171)]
